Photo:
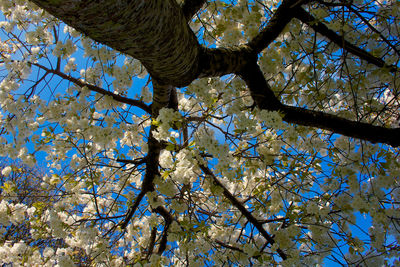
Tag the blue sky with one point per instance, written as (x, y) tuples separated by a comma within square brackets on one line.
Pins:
[(59, 86)]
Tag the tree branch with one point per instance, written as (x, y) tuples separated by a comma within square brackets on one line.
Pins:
[(94, 88), (333, 123), (374, 29), (154, 149), (281, 17), (168, 220), (132, 209), (152, 162), (247, 214), (152, 242), (216, 62), (131, 27), (222, 61), (137, 161), (190, 8), (339, 40), (264, 98), (162, 96)]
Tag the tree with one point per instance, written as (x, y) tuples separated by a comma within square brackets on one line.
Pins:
[(271, 138), (21, 194)]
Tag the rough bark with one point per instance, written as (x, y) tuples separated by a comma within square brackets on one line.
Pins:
[(152, 31), (190, 7)]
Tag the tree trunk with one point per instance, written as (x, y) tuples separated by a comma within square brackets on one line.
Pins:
[(152, 31)]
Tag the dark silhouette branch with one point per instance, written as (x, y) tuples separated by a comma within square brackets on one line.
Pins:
[(152, 242), (366, 21), (134, 161), (152, 162), (168, 220), (132, 209), (247, 214), (260, 91), (94, 88), (339, 40), (281, 17), (333, 123), (150, 173), (265, 98), (228, 246), (222, 61)]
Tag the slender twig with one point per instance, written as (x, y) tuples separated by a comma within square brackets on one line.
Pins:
[(91, 87), (374, 29), (247, 214), (130, 161), (340, 41)]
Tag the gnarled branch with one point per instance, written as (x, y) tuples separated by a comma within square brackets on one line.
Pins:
[(265, 98), (151, 171), (152, 31)]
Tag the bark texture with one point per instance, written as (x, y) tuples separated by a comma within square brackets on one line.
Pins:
[(152, 31)]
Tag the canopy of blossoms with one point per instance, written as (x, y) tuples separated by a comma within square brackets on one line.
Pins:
[(251, 133)]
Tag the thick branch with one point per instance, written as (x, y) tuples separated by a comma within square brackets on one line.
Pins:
[(216, 62), (161, 97), (360, 130), (260, 91), (173, 100), (264, 98), (247, 214), (190, 8), (222, 61), (281, 17), (339, 40), (153, 31)]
